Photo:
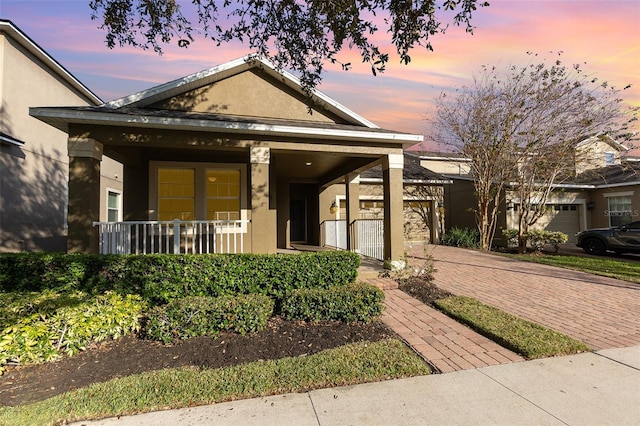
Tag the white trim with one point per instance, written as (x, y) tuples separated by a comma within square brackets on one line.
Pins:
[(236, 66), (435, 158), (221, 125), (11, 141), (15, 33), (619, 194), (120, 203)]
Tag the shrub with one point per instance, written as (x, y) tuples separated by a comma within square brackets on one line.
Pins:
[(461, 237), (50, 323), (536, 239), (162, 278), (207, 316), (511, 237), (354, 302)]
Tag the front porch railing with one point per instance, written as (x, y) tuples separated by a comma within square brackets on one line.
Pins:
[(154, 237), (370, 234), (371, 237)]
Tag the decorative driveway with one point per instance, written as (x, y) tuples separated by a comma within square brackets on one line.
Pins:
[(602, 312)]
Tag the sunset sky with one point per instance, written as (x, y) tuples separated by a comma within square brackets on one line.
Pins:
[(604, 34)]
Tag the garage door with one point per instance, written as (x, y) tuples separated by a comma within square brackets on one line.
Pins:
[(563, 218)]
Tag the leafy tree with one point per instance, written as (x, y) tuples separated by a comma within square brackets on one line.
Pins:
[(521, 128), (300, 35)]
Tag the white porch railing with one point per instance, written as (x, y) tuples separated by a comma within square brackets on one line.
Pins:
[(370, 236), (334, 234), (153, 237)]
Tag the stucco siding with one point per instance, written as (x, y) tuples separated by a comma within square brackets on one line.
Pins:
[(33, 177), (250, 93)]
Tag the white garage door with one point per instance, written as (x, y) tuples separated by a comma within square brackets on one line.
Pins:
[(563, 218)]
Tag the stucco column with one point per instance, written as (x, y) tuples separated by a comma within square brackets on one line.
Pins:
[(392, 166), (264, 234), (353, 210), (85, 156)]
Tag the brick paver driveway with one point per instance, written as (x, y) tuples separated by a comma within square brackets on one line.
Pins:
[(602, 312)]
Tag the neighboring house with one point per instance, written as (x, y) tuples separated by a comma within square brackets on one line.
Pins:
[(422, 199), (604, 192), (237, 148), (34, 165)]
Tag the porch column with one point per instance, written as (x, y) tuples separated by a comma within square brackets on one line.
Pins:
[(85, 156), (353, 210), (264, 235), (392, 166)]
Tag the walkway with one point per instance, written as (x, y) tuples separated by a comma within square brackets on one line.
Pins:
[(602, 312), (445, 343)]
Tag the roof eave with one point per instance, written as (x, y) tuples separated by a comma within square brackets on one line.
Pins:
[(56, 117), (6, 139)]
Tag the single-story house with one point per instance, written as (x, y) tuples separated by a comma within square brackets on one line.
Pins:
[(34, 164), (235, 157)]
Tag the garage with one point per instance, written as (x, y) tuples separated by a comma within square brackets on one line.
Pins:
[(562, 218)]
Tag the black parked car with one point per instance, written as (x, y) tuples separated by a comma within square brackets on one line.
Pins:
[(619, 239)]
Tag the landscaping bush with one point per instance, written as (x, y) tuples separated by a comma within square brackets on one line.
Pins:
[(40, 327), (162, 278), (461, 237), (536, 239), (354, 302), (207, 316)]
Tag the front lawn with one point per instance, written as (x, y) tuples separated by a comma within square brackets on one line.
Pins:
[(620, 269), (188, 386)]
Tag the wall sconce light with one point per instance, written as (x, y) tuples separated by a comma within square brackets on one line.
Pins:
[(591, 205), (334, 207)]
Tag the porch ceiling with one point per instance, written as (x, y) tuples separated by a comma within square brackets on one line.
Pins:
[(318, 167)]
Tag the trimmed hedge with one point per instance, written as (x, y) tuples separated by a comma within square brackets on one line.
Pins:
[(163, 278), (207, 316), (354, 302)]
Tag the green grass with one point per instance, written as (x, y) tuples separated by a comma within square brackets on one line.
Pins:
[(526, 338), (175, 388), (622, 270)]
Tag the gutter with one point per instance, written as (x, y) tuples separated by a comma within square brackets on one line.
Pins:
[(91, 117)]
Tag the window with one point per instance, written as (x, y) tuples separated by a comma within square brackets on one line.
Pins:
[(196, 191), (223, 194), (609, 158), (113, 206), (176, 194), (619, 212)]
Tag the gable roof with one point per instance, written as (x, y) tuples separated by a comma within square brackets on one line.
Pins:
[(7, 27), (130, 111), (211, 75)]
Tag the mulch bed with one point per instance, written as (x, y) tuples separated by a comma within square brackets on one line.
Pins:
[(132, 355), (423, 290)]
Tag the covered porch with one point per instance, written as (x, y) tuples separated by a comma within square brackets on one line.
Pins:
[(225, 176)]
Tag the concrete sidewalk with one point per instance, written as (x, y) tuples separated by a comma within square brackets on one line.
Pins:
[(592, 388)]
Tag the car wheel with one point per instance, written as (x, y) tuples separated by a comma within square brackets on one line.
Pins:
[(594, 246)]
